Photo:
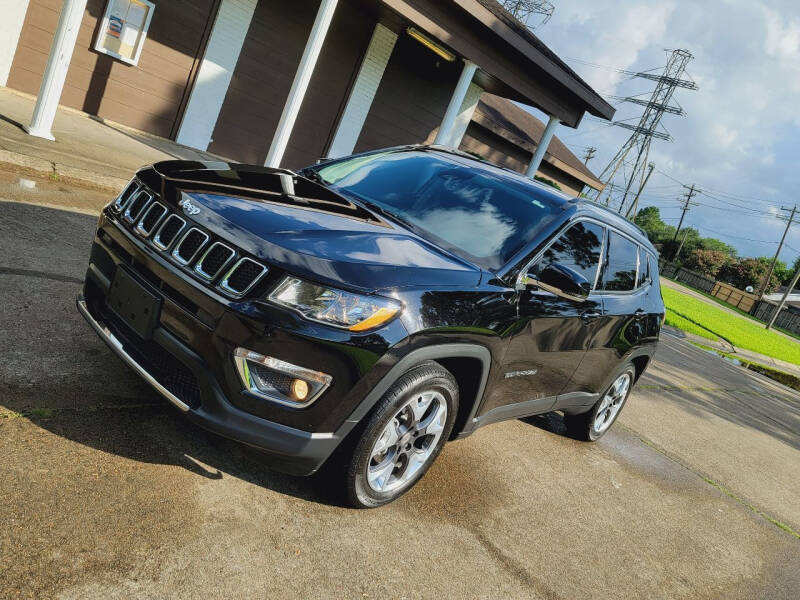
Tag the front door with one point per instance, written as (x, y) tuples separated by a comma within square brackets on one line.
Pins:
[(551, 334)]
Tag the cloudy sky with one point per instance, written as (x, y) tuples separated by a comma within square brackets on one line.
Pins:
[(740, 140)]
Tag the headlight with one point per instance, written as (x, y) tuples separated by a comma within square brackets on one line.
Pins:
[(335, 307)]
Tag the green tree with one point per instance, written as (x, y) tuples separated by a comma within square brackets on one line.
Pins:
[(717, 245)]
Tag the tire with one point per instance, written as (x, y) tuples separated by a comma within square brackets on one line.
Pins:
[(588, 426), (391, 437)]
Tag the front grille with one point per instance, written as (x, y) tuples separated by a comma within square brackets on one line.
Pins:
[(244, 275), (168, 232), (151, 218), (189, 245), (137, 206), (205, 256), (214, 260)]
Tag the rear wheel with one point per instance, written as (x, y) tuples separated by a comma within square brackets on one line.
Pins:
[(591, 426), (403, 436)]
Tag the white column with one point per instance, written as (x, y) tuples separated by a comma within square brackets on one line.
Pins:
[(55, 73), (541, 147), (215, 72), (363, 92), (464, 115), (453, 109), (300, 83), (13, 12)]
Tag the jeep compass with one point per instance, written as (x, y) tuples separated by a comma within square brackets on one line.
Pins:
[(364, 311)]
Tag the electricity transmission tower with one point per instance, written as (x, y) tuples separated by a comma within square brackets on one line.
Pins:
[(647, 127), (590, 152), (523, 10)]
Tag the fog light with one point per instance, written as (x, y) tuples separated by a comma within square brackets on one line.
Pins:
[(277, 380), (299, 389)]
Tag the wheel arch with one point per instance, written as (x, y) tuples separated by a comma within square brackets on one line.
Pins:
[(458, 358)]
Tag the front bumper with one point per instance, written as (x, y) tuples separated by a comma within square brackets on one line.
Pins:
[(289, 450)]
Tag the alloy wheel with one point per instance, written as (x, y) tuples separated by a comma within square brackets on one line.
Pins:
[(611, 403), (407, 441)]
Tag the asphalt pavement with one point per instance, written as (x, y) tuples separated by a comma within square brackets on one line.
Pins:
[(107, 492)]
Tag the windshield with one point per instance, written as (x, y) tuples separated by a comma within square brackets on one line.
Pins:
[(480, 213)]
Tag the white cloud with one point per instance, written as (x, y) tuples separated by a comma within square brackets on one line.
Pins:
[(741, 134)]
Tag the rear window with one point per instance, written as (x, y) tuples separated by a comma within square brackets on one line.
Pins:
[(480, 213), (619, 273)]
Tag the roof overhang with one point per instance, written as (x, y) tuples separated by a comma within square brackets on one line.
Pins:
[(510, 65), (559, 164)]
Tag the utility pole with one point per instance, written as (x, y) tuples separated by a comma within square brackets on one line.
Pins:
[(683, 241), (590, 152), (783, 300), (635, 206), (765, 283), (689, 195)]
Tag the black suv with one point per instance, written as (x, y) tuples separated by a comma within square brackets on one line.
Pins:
[(365, 310)]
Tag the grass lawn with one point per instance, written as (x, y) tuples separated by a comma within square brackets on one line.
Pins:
[(686, 311), (731, 307), (677, 321)]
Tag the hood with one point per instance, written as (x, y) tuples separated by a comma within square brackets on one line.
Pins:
[(305, 228)]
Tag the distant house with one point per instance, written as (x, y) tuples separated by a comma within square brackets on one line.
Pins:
[(505, 134)]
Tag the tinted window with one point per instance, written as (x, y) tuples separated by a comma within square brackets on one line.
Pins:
[(578, 248), (644, 268), (619, 273), (478, 212)]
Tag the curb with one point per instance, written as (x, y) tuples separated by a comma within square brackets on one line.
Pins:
[(54, 171)]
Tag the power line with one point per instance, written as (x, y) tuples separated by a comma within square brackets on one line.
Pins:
[(647, 127)]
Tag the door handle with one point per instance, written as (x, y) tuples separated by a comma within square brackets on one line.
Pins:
[(589, 316)]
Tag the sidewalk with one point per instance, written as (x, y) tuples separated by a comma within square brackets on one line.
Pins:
[(87, 150)]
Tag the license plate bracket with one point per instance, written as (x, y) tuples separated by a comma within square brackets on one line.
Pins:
[(137, 307)]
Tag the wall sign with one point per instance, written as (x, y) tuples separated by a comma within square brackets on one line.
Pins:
[(124, 29)]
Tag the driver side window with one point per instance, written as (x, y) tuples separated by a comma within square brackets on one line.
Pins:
[(578, 249)]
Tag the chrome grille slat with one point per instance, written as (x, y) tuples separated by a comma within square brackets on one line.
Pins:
[(176, 252), (122, 200), (217, 247), (158, 240), (137, 205), (151, 218), (229, 286)]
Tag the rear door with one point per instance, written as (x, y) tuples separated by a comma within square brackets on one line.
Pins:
[(623, 287)]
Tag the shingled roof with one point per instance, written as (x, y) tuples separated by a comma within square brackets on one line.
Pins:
[(520, 127), (524, 32)]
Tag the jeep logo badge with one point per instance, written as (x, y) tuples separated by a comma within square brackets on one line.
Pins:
[(188, 207)]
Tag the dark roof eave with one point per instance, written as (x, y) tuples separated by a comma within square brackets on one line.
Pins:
[(594, 103)]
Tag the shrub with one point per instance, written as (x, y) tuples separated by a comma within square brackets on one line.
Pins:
[(748, 271), (707, 262)]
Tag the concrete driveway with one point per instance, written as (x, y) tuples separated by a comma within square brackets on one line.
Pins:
[(106, 492)]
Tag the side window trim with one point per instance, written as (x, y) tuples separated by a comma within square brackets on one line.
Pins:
[(518, 283), (603, 262)]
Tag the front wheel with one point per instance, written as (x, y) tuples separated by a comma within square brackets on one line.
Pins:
[(403, 436), (591, 426)]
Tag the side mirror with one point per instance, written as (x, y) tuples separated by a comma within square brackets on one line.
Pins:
[(561, 281)]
